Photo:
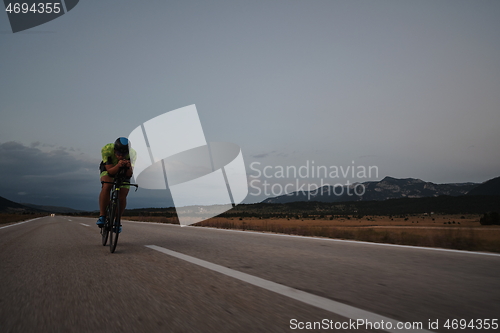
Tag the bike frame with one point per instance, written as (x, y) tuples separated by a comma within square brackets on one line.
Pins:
[(113, 214)]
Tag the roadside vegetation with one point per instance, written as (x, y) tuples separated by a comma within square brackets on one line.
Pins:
[(444, 231), (10, 218), (445, 222), (461, 232)]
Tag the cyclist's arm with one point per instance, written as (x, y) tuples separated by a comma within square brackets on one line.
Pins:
[(129, 169), (114, 169)]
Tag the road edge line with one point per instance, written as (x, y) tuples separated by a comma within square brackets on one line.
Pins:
[(11, 225), (323, 303)]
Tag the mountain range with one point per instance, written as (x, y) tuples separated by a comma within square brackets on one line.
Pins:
[(490, 187), (389, 188), (385, 189), (52, 209), (8, 206)]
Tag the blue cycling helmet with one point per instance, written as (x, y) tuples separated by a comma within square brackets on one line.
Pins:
[(122, 145)]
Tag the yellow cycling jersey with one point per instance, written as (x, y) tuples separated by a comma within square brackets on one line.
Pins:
[(108, 155)]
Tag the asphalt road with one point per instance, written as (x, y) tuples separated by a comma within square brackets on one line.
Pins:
[(57, 277)]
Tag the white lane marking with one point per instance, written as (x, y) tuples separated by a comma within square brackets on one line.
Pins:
[(85, 224), (11, 225), (327, 239), (341, 309), (70, 220)]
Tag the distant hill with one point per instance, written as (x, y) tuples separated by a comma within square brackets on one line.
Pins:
[(464, 204), (387, 188), (53, 209), (7, 206), (490, 187)]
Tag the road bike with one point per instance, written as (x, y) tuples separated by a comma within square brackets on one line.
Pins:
[(112, 224)]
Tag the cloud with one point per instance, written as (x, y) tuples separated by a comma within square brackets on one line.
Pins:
[(54, 177), (273, 153), (19, 160), (368, 156), (261, 155), (59, 177)]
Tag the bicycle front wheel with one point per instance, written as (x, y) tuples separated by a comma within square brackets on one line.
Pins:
[(115, 227)]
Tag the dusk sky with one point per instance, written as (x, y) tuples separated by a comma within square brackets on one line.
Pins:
[(411, 87)]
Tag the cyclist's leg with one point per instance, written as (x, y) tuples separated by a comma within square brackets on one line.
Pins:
[(104, 196), (123, 199)]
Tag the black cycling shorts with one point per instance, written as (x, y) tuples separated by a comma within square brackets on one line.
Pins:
[(104, 172)]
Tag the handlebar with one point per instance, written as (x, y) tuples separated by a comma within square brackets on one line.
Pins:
[(120, 178), (123, 184)]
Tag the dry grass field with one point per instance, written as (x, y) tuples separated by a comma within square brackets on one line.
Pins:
[(11, 218), (463, 232)]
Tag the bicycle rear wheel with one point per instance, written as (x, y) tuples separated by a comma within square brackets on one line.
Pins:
[(114, 225), (107, 226), (104, 235)]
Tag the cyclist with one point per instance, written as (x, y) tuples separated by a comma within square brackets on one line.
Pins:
[(115, 156)]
